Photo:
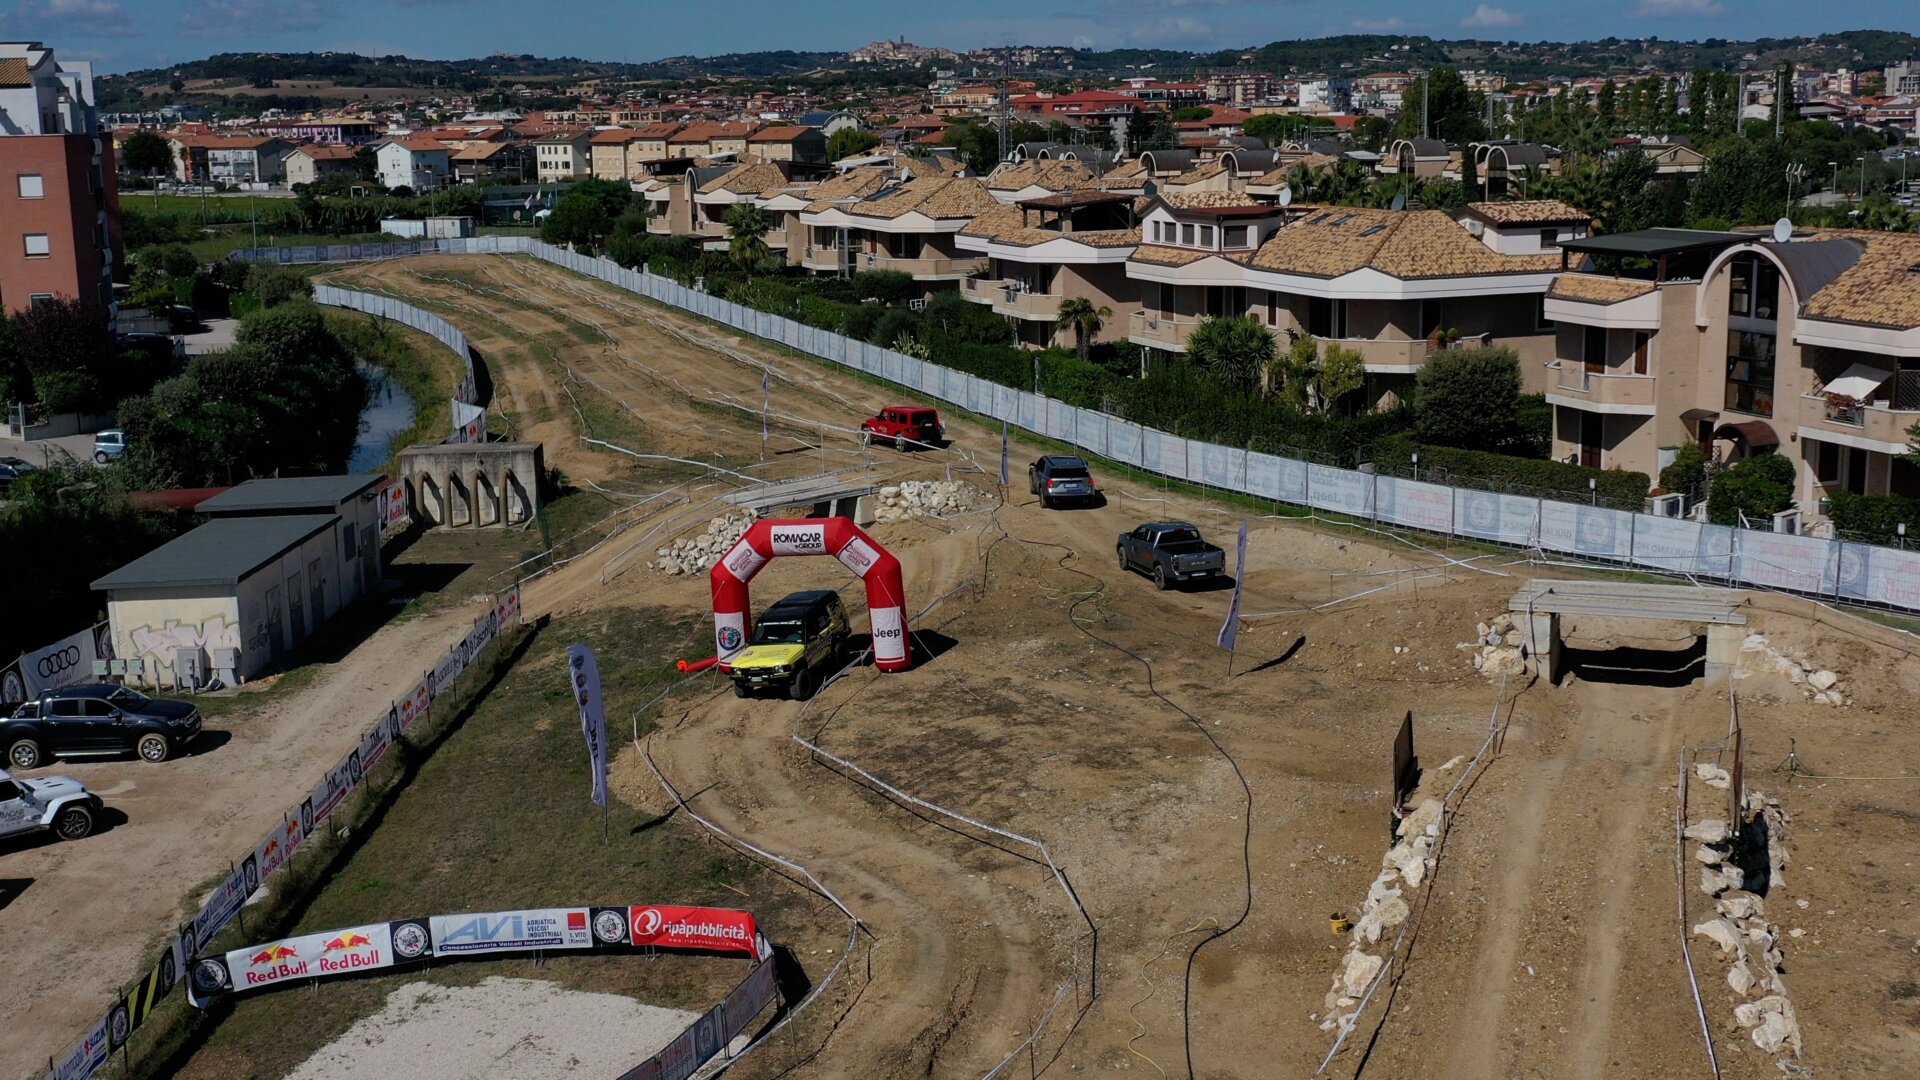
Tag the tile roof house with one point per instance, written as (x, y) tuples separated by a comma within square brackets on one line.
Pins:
[(317, 161), (787, 143), (907, 226), (414, 162)]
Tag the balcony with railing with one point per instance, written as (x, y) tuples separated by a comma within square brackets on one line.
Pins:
[(1886, 418), (1161, 330), (824, 257), (1011, 297), (1382, 354), (1575, 385), (924, 268)]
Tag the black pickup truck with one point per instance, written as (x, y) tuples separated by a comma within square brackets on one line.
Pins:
[(1170, 552)]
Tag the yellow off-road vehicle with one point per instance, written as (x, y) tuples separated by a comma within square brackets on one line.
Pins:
[(795, 645)]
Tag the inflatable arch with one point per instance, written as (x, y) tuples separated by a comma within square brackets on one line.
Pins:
[(766, 540)]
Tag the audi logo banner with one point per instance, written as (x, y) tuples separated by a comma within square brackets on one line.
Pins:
[(63, 663)]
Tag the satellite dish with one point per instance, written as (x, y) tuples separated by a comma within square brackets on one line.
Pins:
[(1783, 230), (1400, 201), (1286, 194)]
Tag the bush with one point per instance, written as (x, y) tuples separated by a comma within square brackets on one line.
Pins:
[(886, 286), (894, 324), (273, 285), (1756, 488), (1504, 472), (1687, 470), (1468, 398), (1873, 519)]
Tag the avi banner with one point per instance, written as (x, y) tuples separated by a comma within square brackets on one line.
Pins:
[(511, 931), (719, 929)]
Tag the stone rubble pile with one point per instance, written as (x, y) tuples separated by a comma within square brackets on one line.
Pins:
[(1500, 649), (697, 554), (1402, 869), (1759, 657), (1740, 927), (929, 498)]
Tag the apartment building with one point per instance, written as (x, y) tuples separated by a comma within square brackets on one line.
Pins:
[(745, 183), (245, 161), (609, 153), (911, 226), (789, 142), (59, 206), (562, 156), (1393, 285), (820, 245), (415, 162), (1807, 346), (1047, 249), (317, 161)]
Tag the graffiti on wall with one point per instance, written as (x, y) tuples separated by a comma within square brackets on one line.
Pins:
[(159, 645)]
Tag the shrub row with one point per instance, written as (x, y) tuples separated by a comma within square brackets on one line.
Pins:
[(1499, 472), (1873, 519)]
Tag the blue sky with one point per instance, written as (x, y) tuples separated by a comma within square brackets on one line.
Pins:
[(122, 34)]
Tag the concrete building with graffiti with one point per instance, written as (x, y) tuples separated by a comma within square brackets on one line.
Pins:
[(276, 560)]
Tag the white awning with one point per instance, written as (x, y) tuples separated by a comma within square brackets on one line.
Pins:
[(1859, 383)]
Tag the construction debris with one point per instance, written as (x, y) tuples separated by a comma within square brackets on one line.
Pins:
[(697, 554), (1741, 929), (1403, 868), (1821, 685), (930, 498)]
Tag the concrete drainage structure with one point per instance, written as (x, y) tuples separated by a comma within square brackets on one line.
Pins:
[(473, 485), (1733, 873)]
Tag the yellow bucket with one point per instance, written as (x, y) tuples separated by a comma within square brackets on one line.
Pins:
[(1339, 923)]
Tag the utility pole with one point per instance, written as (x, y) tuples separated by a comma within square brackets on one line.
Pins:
[(1426, 85)]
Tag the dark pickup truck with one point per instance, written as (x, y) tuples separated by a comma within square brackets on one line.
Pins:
[(1170, 552)]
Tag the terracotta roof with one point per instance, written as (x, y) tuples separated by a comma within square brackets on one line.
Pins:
[(755, 179), (481, 151), (659, 129), (1881, 289), (616, 137), (1597, 288), (1404, 244), (851, 184), (930, 166), (1170, 256), (423, 146), (1527, 212), (325, 152), (1278, 176), (784, 134), (1054, 175), (13, 72), (936, 197), (1205, 172), (1126, 170), (1203, 200)]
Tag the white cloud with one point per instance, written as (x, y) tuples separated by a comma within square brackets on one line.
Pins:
[(1488, 17), (1678, 9), (230, 19), (1389, 25), (1174, 33)]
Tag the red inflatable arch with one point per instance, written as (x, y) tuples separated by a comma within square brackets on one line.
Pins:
[(766, 540)]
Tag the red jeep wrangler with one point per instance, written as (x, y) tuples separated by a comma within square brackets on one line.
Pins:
[(904, 426)]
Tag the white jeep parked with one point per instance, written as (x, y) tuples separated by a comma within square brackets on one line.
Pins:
[(59, 803)]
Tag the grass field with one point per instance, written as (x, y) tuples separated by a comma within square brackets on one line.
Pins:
[(497, 818)]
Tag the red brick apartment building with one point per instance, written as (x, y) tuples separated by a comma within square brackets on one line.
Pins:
[(59, 206)]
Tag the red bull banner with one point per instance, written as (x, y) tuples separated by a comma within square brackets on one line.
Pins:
[(506, 608), (279, 845), (719, 929), (347, 951), (414, 705), (393, 513)]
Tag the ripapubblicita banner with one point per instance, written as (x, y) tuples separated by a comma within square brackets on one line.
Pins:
[(511, 931), (721, 929)]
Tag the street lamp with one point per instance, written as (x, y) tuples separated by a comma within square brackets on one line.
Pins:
[(1835, 166), (1593, 491), (1416, 466)]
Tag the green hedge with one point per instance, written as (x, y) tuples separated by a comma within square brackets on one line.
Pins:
[(1872, 518), (1756, 488), (1474, 468)]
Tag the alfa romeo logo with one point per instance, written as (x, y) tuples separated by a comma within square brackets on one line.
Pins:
[(610, 927), (729, 638), (410, 940)]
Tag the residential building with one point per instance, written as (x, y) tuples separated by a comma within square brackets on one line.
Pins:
[(652, 144), (828, 121), (329, 130), (609, 153), (245, 161), (317, 161), (910, 226), (59, 203), (478, 160), (562, 156), (787, 143), (1241, 87), (1393, 285), (1051, 248), (419, 163), (743, 183), (821, 247), (1902, 78), (1808, 347)]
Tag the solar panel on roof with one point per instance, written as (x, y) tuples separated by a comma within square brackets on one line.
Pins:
[(1319, 217), (1341, 220), (1370, 230)]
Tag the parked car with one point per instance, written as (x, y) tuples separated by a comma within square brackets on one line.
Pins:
[(793, 645), (109, 445), (1170, 552), (904, 426), (13, 468), (58, 803), (97, 720), (1059, 478)]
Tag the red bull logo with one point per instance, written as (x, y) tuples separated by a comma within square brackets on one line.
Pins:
[(273, 954), (348, 940)]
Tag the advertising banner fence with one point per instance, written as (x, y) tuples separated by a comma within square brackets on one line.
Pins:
[(713, 1032), (511, 931), (718, 929)]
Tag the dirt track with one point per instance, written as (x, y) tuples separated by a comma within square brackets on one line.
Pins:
[(1550, 948), (115, 894)]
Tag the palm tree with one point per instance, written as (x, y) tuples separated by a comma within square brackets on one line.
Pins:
[(1237, 348), (747, 228), (1086, 320)]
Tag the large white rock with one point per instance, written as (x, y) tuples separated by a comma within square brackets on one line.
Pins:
[(1740, 979), (1381, 917), (1425, 818), (1358, 972), (1504, 660), (1739, 905), (1721, 932), (1710, 831), (1822, 680), (1776, 1033)]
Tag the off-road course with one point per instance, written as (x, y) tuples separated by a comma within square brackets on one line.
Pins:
[(1209, 813)]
